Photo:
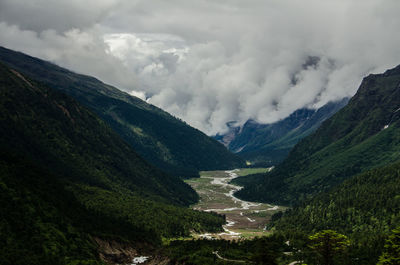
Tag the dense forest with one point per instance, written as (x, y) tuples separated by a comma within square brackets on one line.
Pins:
[(66, 177), (366, 208), (265, 250)]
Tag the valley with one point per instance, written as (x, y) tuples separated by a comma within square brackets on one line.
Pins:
[(244, 219), (92, 175)]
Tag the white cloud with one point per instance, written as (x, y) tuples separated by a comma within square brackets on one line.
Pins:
[(210, 62), (81, 51), (138, 94)]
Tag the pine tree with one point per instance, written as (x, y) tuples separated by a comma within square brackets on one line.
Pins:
[(327, 244), (391, 255)]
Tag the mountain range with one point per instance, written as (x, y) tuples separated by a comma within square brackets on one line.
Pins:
[(84, 166)]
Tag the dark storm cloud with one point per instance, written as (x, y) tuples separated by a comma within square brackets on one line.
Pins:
[(60, 15)]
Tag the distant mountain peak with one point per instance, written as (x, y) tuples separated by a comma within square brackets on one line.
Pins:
[(268, 144)]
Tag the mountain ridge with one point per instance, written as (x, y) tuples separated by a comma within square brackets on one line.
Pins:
[(157, 136), (269, 144), (355, 139)]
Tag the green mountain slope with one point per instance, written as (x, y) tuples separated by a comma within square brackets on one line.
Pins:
[(269, 144), (38, 218), (54, 130), (365, 207), (363, 135), (158, 137), (65, 176)]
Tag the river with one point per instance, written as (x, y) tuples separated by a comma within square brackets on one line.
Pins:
[(244, 219)]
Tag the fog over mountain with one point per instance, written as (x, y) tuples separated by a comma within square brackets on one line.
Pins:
[(210, 62)]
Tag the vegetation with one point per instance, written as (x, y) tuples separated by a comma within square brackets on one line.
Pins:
[(343, 177), (264, 250), (365, 208), (244, 172), (327, 244), (326, 247), (39, 220), (361, 136), (54, 131), (391, 254), (249, 176), (158, 137), (65, 176)]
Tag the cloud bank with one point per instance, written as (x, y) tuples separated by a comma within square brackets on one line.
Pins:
[(210, 62)]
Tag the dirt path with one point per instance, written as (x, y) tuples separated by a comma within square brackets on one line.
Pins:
[(231, 260), (244, 219)]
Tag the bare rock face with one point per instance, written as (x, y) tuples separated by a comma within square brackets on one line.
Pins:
[(115, 252)]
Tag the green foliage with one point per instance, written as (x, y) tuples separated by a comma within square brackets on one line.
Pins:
[(158, 137), (39, 221), (327, 244), (152, 218), (247, 180), (250, 171), (264, 250), (248, 176), (391, 255), (365, 207), (66, 176), (54, 131), (352, 141)]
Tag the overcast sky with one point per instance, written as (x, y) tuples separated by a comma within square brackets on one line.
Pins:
[(213, 61)]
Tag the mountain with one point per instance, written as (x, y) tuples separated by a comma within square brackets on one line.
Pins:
[(269, 144), (361, 136), (53, 130), (155, 135), (66, 178), (365, 207)]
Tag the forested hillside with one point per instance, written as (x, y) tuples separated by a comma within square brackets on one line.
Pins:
[(363, 135), (158, 137), (366, 208), (66, 176)]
